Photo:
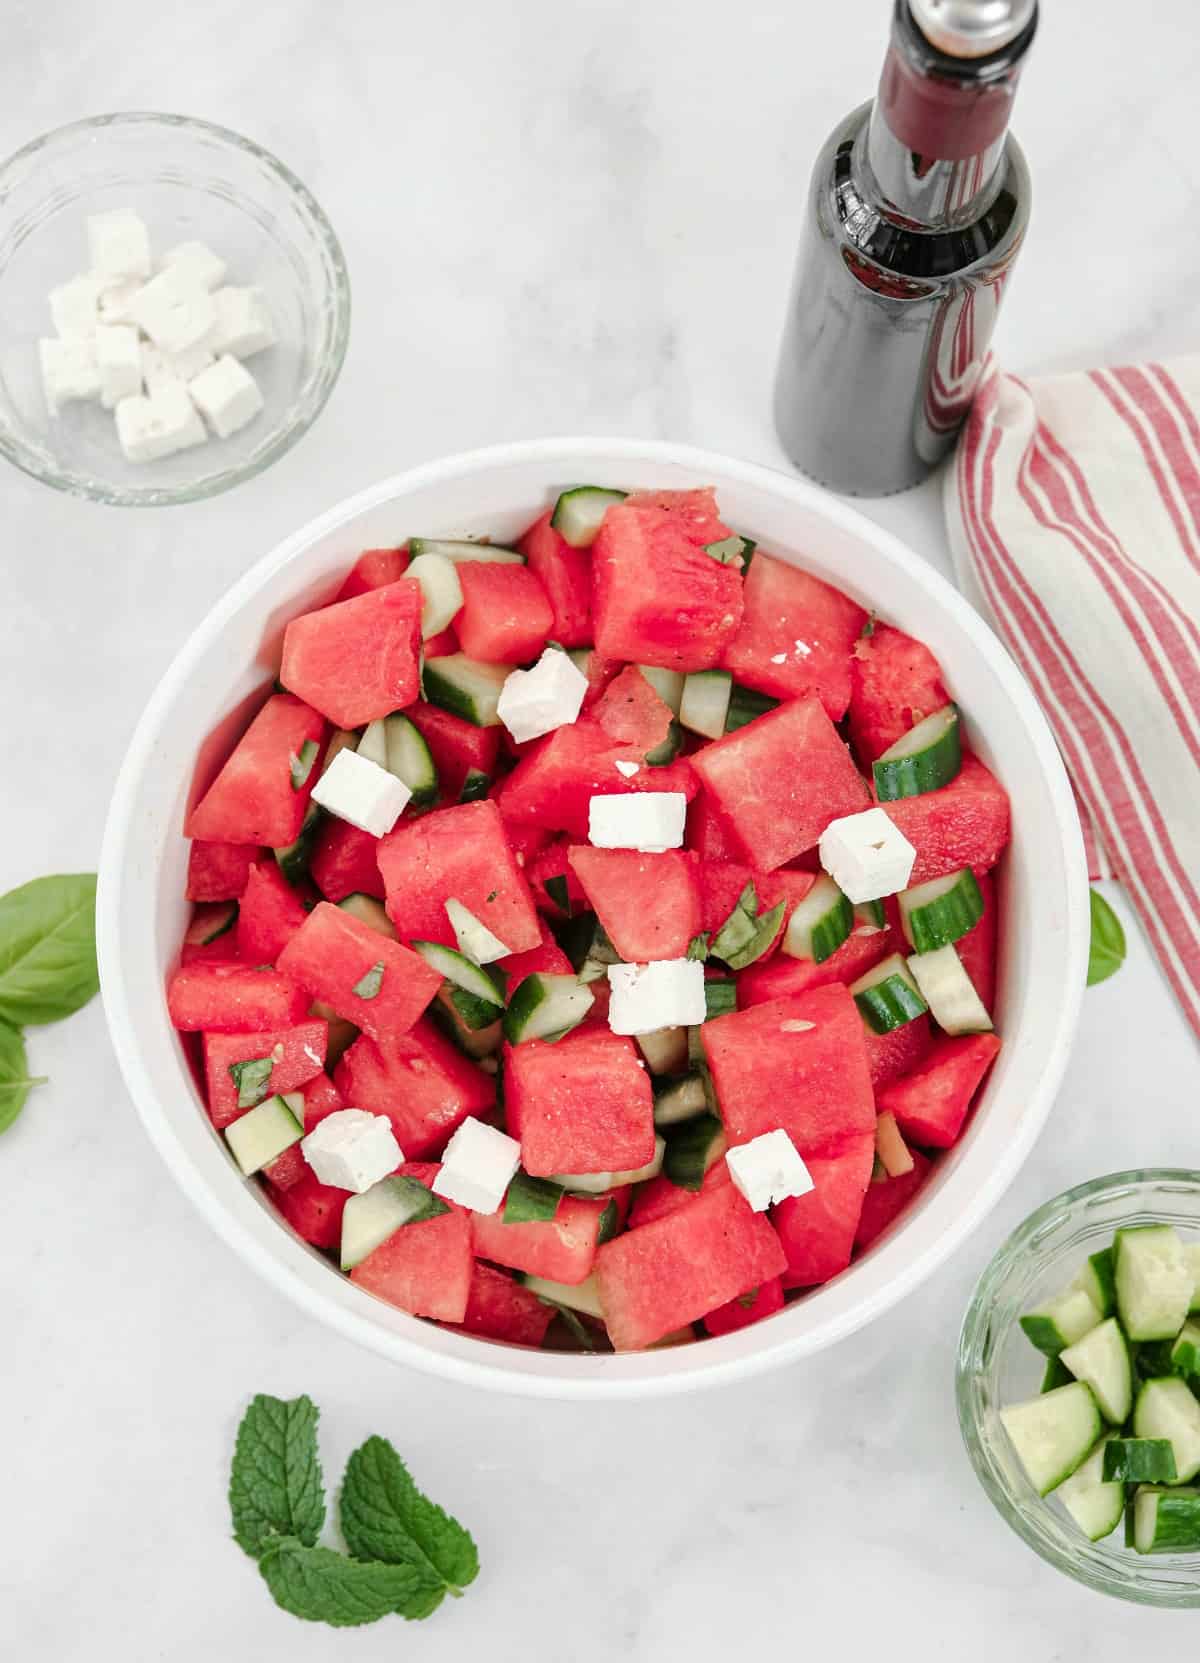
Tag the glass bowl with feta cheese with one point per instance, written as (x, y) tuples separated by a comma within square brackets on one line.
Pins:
[(174, 309), (1050, 1343)]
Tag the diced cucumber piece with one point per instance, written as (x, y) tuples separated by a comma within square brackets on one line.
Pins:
[(720, 996), (476, 785), (1166, 1521), (744, 705), (466, 687), (705, 702), (255, 1138), (578, 513), (665, 1050), (584, 942), (457, 550), (1095, 1504), (745, 935), (395, 744), (887, 996), (1139, 1461), (1053, 1434), (1191, 1252), (1152, 1360), (441, 592), (659, 755), (530, 1200), (1185, 1353), (454, 1010), (692, 1147), (677, 1100), (890, 1147), (370, 1218), (668, 684), (820, 922), (870, 913), (1101, 1360), (465, 973), (1098, 1281), (370, 912), (597, 1183), (924, 759), (1167, 1409), (1061, 1321), (210, 921), (1056, 1374), (949, 992), (942, 911), (579, 1296), (1154, 1281), (293, 858), (473, 937), (546, 1007)]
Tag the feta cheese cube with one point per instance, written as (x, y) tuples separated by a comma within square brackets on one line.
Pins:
[(651, 821), (478, 1167), (866, 855), (666, 994), (550, 695), (198, 263), (360, 791), (69, 371), (75, 306), (352, 1149), (162, 368), (118, 245), (119, 360), (174, 312), (226, 395), (768, 1169), (158, 424), (115, 296), (243, 322)]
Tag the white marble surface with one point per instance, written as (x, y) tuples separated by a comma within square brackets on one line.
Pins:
[(559, 218)]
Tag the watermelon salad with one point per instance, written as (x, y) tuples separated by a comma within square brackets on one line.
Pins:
[(594, 939)]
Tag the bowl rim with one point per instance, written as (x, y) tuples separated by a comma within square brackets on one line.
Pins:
[(322, 381), (467, 1360)]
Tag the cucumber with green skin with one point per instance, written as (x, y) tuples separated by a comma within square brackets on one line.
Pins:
[(294, 858), (477, 784), (941, 911), (1166, 1521), (665, 1050), (926, 758), (1098, 1280), (1139, 1461), (546, 1007), (668, 684), (257, 1137), (949, 992), (660, 755), (466, 687), (705, 702), (677, 1100), (396, 745), (820, 923), (579, 513), (447, 1012), (482, 985), (1061, 1321), (1053, 1434), (457, 549), (1153, 1281), (691, 1148), (745, 705), (370, 912), (1096, 1504), (371, 1218), (1185, 1353), (887, 996), (1167, 1409), (1101, 1360)]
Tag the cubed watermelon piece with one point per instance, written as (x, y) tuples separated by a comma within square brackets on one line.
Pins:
[(314, 1210), (424, 1085), (232, 999), (458, 748), (599, 670), (966, 823), (799, 1064), (343, 862), (443, 644), (221, 951), (749, 1307), (562, 1249), (708, 833), (374, 569), (777, 977), (817, 1229), (218, 871), (552, 862), (357, 660), (321, 1098), (722, 884), (459, 853), (270, 914), (649, 905), (500, 1309), (796, 635), (631, 712), (895, 682), (553, 783), (296, 1055), (423, 1268), (932, 1102), (884, 1202), (897, 1052), (779, 781), (655, 1279), (977, 949), (579, 1104), (254, 799), (378, 984), (506, 616), (658, 598), (566, 576), (547, 957), (286, 1169), (656, 1197)]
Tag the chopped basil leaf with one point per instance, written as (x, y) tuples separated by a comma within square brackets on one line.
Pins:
[(731, 551), (1107, 953), (531, 1200), (559, 893), (748, 1300), (610, 1223), (252, 1079), (720, 997), (302, 765), (698, 947), (868, 629), (423, 1202), (370, 984)]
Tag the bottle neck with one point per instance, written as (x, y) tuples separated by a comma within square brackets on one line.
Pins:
[(934, 146)]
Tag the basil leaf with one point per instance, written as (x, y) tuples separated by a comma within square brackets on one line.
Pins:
[(325, 1587), (720, 997), (698, 947), (731, 551), (556, 888), (531, 1200), (1107, 952), (48, 948), (252, 1079), (368, 987), (385, 1516), (16, 1082), (765, 930), (418, 1197), (275, 1486), (302, 765)]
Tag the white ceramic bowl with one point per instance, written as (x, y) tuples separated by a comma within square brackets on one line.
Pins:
[(208, 694)]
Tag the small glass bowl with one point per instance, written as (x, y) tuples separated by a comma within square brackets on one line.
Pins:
[(998, 1366), (189, 181)]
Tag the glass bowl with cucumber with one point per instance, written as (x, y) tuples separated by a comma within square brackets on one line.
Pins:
[(1078, 1384)]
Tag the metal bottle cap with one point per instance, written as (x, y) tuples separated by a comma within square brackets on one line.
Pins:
[(971, 28)]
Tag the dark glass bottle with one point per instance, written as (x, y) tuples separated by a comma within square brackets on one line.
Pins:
[(917, 208)]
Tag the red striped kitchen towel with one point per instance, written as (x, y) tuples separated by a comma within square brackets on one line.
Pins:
[(1073, 507)]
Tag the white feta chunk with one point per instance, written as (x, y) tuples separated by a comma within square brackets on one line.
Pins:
[(666, 994), (478, 1166), (115, 297), (352, 1149), (161, 368), (198, 263), (768, 1169), (158, 424), (355, 789), (69, 371), (119, 360), (866, 855), (118, 245), (550, 695), (651, 821), (174, 312), (243, 322), (75, 307), (226, 395), (473, 937)]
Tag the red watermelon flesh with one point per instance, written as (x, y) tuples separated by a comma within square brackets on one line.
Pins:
[(775, 978), (379, 985), (252, 799), (221, 951), (723, 882), (286, 1169), (753, 1306), (457, 747), (423, 1268), (547, 957), (553, 784), (343, 862), (779, 781), (817, 1229), (599, 671), (895, 682), (977, 949), (460, 853), (708, 834), (321, 1099), (270, 914), (796, 635), (566, 576), (966, 823), (232, 999), (500, 1309), (296, 1054), (932, 1102), (218, 871), (552, 862), (656, 1197), (443, 644), (357, 660), (579, 1104), (771, 1069), (631, 712), (883, 1203), (374, 569), (314, 1210), (657, 597), (424, 1085), (892, 1054), (506, 616), (562, 1249), (648, 905), (655, 1279)]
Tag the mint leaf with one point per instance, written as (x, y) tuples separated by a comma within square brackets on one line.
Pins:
[(384, 1516), (325, 1587), (48, 948), (275, 1487), (252, 1079), (370, 984), (1107, 952), (16, 1082)]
